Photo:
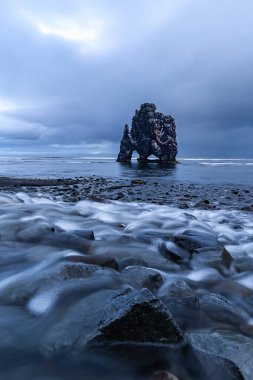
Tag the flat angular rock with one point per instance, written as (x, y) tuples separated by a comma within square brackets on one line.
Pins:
[(226, 259), (99, 260), (141, 277), (191, 241), (224, 355), (137, 316), (221, 310)]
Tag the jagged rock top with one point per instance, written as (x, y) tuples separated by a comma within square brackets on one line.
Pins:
[(151, 133)]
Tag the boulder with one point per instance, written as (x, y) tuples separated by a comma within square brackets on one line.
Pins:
[(99, 260), (224, 355), (42, 233), (177, 288), (193, 240), (141, 277), (221, 310), (137, 316)]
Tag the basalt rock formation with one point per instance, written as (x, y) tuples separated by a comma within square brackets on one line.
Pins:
[(152, 133)]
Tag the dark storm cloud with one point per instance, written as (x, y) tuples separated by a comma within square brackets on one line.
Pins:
[(73, 72)]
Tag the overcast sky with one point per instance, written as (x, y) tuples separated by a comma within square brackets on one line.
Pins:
[(72, 73)]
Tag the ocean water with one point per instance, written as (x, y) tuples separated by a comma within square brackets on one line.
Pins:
[(192, 170)]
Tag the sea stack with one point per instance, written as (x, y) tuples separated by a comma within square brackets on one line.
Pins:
[(152, 133)]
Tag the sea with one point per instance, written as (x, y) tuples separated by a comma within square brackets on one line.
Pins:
[(188, 170)]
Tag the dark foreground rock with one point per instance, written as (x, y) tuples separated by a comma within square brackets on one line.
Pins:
[(137, 316), (224, 355), (151, 133)]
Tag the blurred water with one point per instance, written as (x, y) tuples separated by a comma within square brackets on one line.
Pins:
[(48, 304), (213, 171)]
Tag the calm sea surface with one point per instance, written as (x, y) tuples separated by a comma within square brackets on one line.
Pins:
[(213, 171)]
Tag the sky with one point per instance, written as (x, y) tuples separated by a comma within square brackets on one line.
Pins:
[(73, 72)]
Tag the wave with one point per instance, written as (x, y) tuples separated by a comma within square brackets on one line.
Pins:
[(227, 163)]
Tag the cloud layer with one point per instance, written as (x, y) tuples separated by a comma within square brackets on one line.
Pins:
[(73, 72)]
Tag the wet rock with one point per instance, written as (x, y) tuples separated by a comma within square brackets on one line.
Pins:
[(224, 355), (140, 277), (183, 205), (225, 258), (163, 375), (204, 205), (247, 329), (221, 310), (84, 234), (223, 221), (191, 241), (211, 258), (137, 316), (75, 271), (247, 208), (123, 252), (131, 261), (98, 198), (151, 133), (19, 292), (178, 288), (244, 264), (69, 324), (190, 216), (174, 253), (120, 195), (99, 260), (227, 287), (56, 237), (138, 182)]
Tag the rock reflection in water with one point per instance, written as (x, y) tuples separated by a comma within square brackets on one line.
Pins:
[(62, 266), (152, 168)]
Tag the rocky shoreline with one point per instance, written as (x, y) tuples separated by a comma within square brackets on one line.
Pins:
[(102, 280), (184, 196)]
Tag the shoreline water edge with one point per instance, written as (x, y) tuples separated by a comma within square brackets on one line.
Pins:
[(125, 278), (96, 188)]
